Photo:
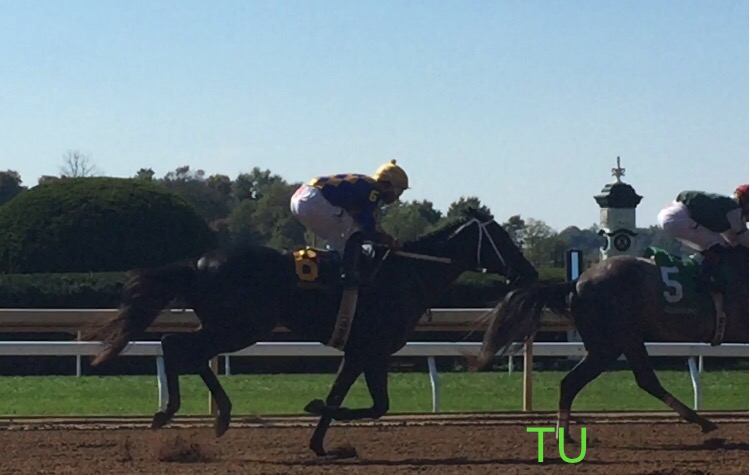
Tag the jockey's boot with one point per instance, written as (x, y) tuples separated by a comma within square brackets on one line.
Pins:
[(709, 265), (348, 305), (350, 261)]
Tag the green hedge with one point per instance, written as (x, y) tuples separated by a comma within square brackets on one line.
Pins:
[(84, 290), (98, 224), (102, 290)]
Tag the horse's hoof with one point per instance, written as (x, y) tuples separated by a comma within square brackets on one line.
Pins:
[(221, 424), (160, 420), (708, 426), (315, 407), (318, 449), (567, 438)]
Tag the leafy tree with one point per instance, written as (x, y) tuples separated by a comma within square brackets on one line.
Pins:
[(146, 174), (210, 202), (408, 221), (47, 179), (457, 207), (586, 240), (428, 212), (221, 184), (250, 185), (273, 218), (268, 219), (516, 227), (541, 243), (10, 186), (241, 223)]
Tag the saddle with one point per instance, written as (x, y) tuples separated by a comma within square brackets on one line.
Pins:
[(684, 292), (321, 268)]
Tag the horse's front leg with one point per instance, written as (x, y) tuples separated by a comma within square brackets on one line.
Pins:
[(348, 372), (376, 375)]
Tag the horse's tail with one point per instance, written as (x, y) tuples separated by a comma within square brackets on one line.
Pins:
[(518, 317), (144, 296)]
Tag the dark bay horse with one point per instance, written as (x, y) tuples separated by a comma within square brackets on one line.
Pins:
[(617, 305), (241, 297)]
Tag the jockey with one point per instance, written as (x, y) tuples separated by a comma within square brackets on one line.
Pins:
[(708, 222), (341, 210)]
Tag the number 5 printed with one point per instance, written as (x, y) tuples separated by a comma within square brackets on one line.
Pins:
[(676, 287)]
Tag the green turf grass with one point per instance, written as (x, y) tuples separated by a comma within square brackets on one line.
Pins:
[(410, 392)]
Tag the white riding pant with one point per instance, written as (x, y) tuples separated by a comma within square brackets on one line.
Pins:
[(328, 222), (676, 221)]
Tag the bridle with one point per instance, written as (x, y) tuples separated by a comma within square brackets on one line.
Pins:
[(483, 233)]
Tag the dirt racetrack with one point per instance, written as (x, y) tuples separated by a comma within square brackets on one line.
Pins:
[(645, 444)]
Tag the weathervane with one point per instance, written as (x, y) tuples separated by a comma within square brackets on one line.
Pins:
[(618, 172)]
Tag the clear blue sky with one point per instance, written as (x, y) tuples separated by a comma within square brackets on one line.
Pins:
[(524, 104)]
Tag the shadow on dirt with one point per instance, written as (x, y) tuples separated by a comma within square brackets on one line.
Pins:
[(713, 443), (418, 462)]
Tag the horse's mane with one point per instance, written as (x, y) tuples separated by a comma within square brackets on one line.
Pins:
[(439, 235)]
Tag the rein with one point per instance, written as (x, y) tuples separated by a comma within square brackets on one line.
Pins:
[(483, 233), (424, 257)]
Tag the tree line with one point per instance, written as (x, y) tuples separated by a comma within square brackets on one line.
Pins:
[(254, 208)]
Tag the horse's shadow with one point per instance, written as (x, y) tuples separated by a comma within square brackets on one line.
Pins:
[(422, 462), (708, 444)]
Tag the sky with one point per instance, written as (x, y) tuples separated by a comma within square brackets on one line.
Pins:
[(525, 104)]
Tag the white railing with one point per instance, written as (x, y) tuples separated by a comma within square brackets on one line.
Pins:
[(430, 350)]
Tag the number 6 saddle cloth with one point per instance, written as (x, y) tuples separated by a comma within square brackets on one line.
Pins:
[(321, 268)]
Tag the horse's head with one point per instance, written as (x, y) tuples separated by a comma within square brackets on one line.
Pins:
[(518, 270), (477, 242)]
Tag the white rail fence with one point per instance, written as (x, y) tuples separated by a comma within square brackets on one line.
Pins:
[(429, 350)]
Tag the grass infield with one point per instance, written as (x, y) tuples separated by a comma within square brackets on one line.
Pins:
[(410, 393)]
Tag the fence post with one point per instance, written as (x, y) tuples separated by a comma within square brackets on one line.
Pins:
[(528, 369), (435, 382), (78, 358), (695, 379), (161, 380)]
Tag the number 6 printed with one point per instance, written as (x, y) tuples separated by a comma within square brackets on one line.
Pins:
[(676, 296)]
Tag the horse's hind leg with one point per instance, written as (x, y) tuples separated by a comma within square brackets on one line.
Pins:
[(190, 353), (223, 404), (588, 369), (170, 348), (638, 358)]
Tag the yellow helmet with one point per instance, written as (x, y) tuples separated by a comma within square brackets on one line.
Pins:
[(392, 173)]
